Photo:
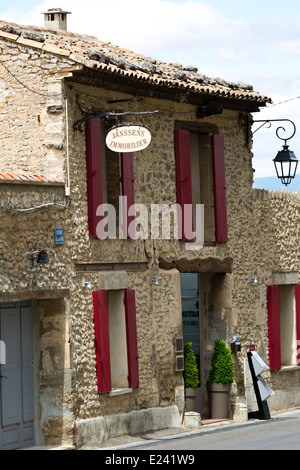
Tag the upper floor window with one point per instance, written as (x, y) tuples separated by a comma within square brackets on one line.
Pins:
[(109, 175), (200, 179)]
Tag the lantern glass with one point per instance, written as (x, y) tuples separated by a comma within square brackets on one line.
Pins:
[(286, 165)]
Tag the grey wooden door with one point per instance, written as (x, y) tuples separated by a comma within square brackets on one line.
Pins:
[(16, 382)]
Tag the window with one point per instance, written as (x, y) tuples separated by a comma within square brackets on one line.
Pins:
[(116, 339), (200, 179), (51, 17), (284, 325), (109, 175)]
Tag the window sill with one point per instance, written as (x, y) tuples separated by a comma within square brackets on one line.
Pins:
[(119, 391), (290, 368)]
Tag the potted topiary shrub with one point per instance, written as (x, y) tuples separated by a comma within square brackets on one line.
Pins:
[(191, 377), (219, 380)]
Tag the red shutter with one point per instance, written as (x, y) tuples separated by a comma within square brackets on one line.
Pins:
[(219, 188), (127, 180), (94, 172), (184, 183), (297, 294), (132, 348), (102, 341), (274, 327)]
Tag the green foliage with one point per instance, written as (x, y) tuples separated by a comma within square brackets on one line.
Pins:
[(190, 374), (221, 363)]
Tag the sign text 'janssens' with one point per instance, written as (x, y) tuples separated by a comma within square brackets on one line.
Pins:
[(128, 138)]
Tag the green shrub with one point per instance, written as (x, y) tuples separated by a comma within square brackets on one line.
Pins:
[(221, 363), (190, 374)]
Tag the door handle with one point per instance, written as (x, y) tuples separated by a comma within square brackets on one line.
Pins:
[(3, 377)]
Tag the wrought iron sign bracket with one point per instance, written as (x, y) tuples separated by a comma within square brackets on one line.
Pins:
[(107, 115), (269, 123)]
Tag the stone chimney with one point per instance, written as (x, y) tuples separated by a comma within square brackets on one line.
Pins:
[(56, 18)]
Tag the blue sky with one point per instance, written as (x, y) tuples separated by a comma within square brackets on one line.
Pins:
[(256, 42)]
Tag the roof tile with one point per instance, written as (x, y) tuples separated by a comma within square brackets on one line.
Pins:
[(16, 177), (96, 54)]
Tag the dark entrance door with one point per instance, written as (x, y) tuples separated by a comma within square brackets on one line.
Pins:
[(191, 320), (16, 382)]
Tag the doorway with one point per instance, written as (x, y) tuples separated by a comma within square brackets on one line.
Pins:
[(16, 382), (191, 321)]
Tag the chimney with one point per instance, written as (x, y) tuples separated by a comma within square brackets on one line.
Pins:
[(56, 18)]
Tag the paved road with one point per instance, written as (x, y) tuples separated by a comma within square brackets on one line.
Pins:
[(280, 433)]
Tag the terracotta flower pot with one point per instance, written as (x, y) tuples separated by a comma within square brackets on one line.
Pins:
[(218, 395)]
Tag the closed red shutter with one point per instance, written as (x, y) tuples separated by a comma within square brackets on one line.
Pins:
[(102, 341), (184, 183), (219, 188), (132, 347), (94, 174), (297, 294), (127, 180), (274, 327)]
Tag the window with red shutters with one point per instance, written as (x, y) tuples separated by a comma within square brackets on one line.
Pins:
[(102, 341), (108, 376), (94, 172), (183, 181), (200, 179), (297, 295), (284, 325), (274, 327), (127, 181), (219, 188), (133, 366), (103, 180)]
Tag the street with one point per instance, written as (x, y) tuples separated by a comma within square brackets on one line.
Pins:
[(279, 433)]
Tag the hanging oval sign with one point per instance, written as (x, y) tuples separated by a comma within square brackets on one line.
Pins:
[(128, 137)]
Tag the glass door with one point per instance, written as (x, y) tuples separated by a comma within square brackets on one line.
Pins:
[(190, 313)]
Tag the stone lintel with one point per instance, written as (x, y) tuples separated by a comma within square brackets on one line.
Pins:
[(285, 277), (206, 265), (38, 294)]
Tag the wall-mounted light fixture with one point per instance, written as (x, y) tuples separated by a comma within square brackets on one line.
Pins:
[(154, 281), (87, 284), (39, 256), (285, 162), (253, 280)]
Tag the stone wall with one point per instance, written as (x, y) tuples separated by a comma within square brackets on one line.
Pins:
[(263, 237), (32, 110)]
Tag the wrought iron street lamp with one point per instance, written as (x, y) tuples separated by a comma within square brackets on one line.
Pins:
[(285, 162)]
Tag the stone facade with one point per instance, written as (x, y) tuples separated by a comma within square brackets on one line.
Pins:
[(37, 82)]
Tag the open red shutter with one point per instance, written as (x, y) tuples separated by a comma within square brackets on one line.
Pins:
[(274, 327), (127, 180), (297, 294), (102, 341), (132, 348), (184, 183), (219, 188), (94, 172)]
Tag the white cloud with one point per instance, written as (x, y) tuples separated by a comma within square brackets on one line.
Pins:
[(291, 48)]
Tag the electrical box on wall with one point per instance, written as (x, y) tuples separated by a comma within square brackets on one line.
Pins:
[(178, 350), (179, 363), (178, 344)]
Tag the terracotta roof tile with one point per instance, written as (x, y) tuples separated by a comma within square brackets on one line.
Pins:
[(93, 53), (24, 178)]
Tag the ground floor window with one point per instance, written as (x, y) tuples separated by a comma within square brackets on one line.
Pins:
[(116, 339), (284, 325)]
